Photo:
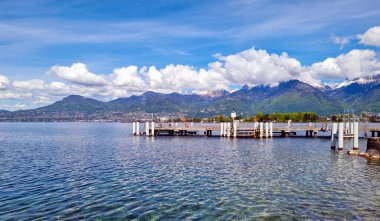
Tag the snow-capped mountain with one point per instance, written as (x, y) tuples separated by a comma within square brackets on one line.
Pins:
[(291, 96), (362, 81), (211, 93)]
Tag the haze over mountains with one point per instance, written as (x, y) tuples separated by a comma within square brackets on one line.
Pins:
[(291, 96)]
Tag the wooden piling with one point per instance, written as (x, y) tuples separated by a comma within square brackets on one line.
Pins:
[(373, 148)]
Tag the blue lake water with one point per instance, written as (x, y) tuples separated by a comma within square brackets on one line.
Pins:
[(75, 171)]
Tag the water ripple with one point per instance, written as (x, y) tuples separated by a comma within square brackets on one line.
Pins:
[(91, 171)]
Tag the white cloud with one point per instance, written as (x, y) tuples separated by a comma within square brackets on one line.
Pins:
[(78, 73), (328, 68), (354, 64), (171, 78), (177, 77), (359, 63), (342, 41), (12, 107), (58, 89), (9, 95), (129, 77), (258, 67), (251, 67), (371, 37), (34, 84), (42, 100), (4, 82), (153, 76)]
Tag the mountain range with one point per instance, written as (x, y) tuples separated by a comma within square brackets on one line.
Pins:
[(291, 96)]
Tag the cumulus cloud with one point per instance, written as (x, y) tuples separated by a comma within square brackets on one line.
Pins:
[(3, 82), (171, 78), (371, 37), (258, 67), (252, 66), (78, 73), (328, 68), (129, 77), (176, 77), (354, 64)]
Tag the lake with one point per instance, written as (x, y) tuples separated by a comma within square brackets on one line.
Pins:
[(76, 171)]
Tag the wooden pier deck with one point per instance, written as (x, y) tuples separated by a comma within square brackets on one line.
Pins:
[(254, 130)]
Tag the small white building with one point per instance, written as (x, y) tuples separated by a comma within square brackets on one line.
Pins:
[(163, 119)]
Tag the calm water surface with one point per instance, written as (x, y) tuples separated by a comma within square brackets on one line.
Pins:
[(75, 171)]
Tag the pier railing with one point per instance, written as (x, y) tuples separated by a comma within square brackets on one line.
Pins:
[(338, 131), (257, 129)]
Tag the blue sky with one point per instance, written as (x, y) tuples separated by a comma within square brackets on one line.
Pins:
[(37, 35)]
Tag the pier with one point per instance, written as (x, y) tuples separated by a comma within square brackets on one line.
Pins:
[(253, 130), (339, 132)]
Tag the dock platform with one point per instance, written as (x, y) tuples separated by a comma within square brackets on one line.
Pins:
[(253, 130)]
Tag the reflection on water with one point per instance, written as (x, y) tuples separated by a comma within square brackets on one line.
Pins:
[(98, 170)]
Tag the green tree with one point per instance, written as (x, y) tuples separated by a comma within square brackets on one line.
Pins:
[(259, 116)]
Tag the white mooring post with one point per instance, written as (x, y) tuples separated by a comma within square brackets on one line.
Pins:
[(266, 129), (152, 133), (333, 134), (235, 128), (256, 127), (356, 135), (134, 128), (221, 129), (225, 128), (333, 139), (146, 128), (228, 129), (261, 129), (271, 129), (289, 121), (340, 136), (137, 128), (352, 131)]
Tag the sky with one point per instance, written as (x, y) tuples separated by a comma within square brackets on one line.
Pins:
[(118, 48)]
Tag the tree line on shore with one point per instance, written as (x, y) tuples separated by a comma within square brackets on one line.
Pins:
[(282, 117), (261, 117)]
